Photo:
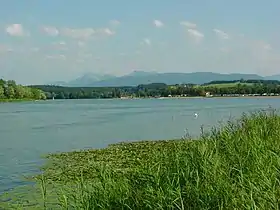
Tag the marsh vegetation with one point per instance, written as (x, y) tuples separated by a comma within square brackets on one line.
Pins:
[(235, 166)]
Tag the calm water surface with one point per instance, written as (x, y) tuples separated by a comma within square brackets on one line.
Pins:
[(30, 130)]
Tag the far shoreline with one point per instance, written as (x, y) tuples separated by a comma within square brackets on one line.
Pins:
[(196, 97), (16, 100), (137, 98), (228, 97)]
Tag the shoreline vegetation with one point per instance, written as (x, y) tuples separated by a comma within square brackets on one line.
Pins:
[(236, 88), (235, 166), (190, 97), (18, 100), (12, 92), (131, 98)]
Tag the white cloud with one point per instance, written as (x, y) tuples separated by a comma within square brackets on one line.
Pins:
[(195, 34), (81, 44), (192, 31), (56, 57), (158, 23), (241, 35), (50, 30), (4, 49), (261, 50), (225, 49), (147, 41), (61, 57), (16, 30), (78, 33), (105, 31), (85, 55), (257, 46), (86, 33), (115, 23), (80, 60), (267, 46), (265, 59), (221, 34), (60, 45), (35, 49), (188, 24)]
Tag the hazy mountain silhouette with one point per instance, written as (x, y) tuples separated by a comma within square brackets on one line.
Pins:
[(143, 77), (86, 80), (134, 79)]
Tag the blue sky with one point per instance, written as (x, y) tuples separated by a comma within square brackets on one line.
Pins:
[(43, 41)]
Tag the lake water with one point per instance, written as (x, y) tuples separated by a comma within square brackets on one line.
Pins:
[(32, 129)]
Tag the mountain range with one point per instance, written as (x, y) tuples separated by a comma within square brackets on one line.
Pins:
[(142, 77)]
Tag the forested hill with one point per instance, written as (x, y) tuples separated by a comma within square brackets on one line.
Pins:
[(9, 90)]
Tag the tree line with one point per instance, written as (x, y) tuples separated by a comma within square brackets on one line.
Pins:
[(243, 89), (252, 81), (217, 88), (9, 90)]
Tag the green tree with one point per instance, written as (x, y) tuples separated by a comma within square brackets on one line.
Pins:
[(10, 92), (42, 96), (2, 92), (36, 93), (19, 91), (60, 95), (9, 89), (2, 82)]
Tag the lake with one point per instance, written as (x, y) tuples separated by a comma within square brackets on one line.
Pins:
[(31, 129)]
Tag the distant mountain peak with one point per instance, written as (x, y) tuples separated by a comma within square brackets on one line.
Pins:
[(138, 77), (92, 74), (86, 80), (141, 73), (146, 77)]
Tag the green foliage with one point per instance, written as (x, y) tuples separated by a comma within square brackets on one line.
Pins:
[(232, 167), (2, 92), (10, 91), (217, 88)]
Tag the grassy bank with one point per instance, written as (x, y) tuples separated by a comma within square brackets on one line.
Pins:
[(15, 100), (233, 167)]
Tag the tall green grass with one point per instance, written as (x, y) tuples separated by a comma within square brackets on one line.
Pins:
[(232, 167)]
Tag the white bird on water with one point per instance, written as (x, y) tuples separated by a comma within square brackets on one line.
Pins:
[(195, 115)]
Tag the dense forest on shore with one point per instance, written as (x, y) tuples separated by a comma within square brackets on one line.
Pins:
[(215, 88), (9, 91)]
